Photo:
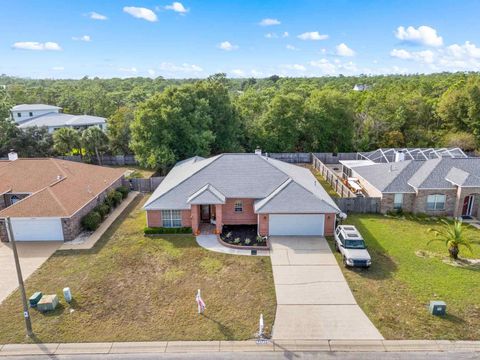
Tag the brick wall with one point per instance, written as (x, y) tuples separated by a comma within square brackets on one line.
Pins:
[(420, 205), (388, 199), (186, 218), (263, 224), (462, 193), (73, 226), (2, 202), (246, 217), (3, 231), (154, 218), (8, 198), (329, 224)]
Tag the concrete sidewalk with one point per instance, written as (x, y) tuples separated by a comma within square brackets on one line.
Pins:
[(314, 300), (240, 346)]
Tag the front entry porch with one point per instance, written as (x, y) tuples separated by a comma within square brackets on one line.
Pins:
[(207, 218)]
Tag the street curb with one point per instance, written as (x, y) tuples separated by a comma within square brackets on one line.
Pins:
[(241, 346)]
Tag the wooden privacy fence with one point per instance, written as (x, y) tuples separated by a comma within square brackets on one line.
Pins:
[(109, 160), (334, 158), (332, 178), (294, 158), (143, 184), (348, 202), (358, 204)]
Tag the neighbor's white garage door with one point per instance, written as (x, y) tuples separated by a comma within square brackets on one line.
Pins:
[(37, 229), (296, 224)]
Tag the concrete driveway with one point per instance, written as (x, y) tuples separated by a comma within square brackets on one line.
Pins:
[(313, 297), (32, 255)]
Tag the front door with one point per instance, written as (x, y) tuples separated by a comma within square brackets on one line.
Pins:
[(205, 213), (468, 205)]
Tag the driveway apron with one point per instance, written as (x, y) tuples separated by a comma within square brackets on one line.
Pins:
[(32, 255), (313, 298)]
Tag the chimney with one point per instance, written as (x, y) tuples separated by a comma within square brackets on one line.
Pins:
[(399, 156), (258, 151), (12, 155)]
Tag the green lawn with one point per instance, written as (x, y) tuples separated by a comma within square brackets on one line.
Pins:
[(134, 288), (326, 185), (396, 290)]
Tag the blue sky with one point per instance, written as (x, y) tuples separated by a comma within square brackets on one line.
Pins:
[(196, 38)]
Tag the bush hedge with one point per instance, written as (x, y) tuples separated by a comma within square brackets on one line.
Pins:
[(91, 221), (162, 230), (102, 209), (113, 198), (123, 190)]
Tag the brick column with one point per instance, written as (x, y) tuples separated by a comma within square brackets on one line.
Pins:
[(195, 218), (219, 218)]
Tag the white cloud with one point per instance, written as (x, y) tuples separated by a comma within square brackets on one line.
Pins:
[(297, 67), (285, 34), (467, 50), (141, 13), (401, 54), (256, 73), (291, 47), (425, 56), (269, 22), (34, 45), (423, 35), (96, 16), (85, 38), (151, 72), (238, 72), (271, 35), (177, 7), (325, 66), (183, 68), (227, 46), (343, 50), (312, 35), (58, 68), (132, 70)]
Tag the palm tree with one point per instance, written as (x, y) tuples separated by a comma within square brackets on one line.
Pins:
[(65, 140), (95, 142), (453, 236)]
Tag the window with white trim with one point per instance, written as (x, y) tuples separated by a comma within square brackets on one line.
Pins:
[(238, 206), (398, 201), (436, 202), (171, 218)]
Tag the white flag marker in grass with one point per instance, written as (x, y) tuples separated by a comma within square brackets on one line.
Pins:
[(200, 303), (261, 327)]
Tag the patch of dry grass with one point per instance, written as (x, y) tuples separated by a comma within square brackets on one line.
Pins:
[(133, 288)]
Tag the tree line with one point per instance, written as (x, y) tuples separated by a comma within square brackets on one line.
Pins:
[(162, 121)]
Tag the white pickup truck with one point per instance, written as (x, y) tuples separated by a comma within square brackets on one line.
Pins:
[(351, 245)]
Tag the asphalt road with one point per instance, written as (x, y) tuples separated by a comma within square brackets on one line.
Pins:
[(260, 356)]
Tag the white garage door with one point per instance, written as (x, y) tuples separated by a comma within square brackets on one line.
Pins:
[(37, 229), (296, 224)]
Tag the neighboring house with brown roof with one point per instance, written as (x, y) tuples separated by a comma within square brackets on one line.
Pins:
[(242, 189), (46, 198)]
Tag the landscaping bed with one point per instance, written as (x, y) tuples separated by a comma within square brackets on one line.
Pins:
[(242, 235), (407, 273), (130, 287)]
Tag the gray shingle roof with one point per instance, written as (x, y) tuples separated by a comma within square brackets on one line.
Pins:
[(60, 120), (241, 176), (408, 175), (32, 107), (207, 195)]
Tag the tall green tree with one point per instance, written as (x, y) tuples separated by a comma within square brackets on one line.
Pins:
[(118, 130), (172, 125)]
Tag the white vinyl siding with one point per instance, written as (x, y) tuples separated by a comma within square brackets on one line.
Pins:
[(171, 218), (398, 201), (436, 202)]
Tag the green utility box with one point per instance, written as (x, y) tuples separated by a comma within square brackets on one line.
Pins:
[(438, 308), (47, 303), (35, 298)]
